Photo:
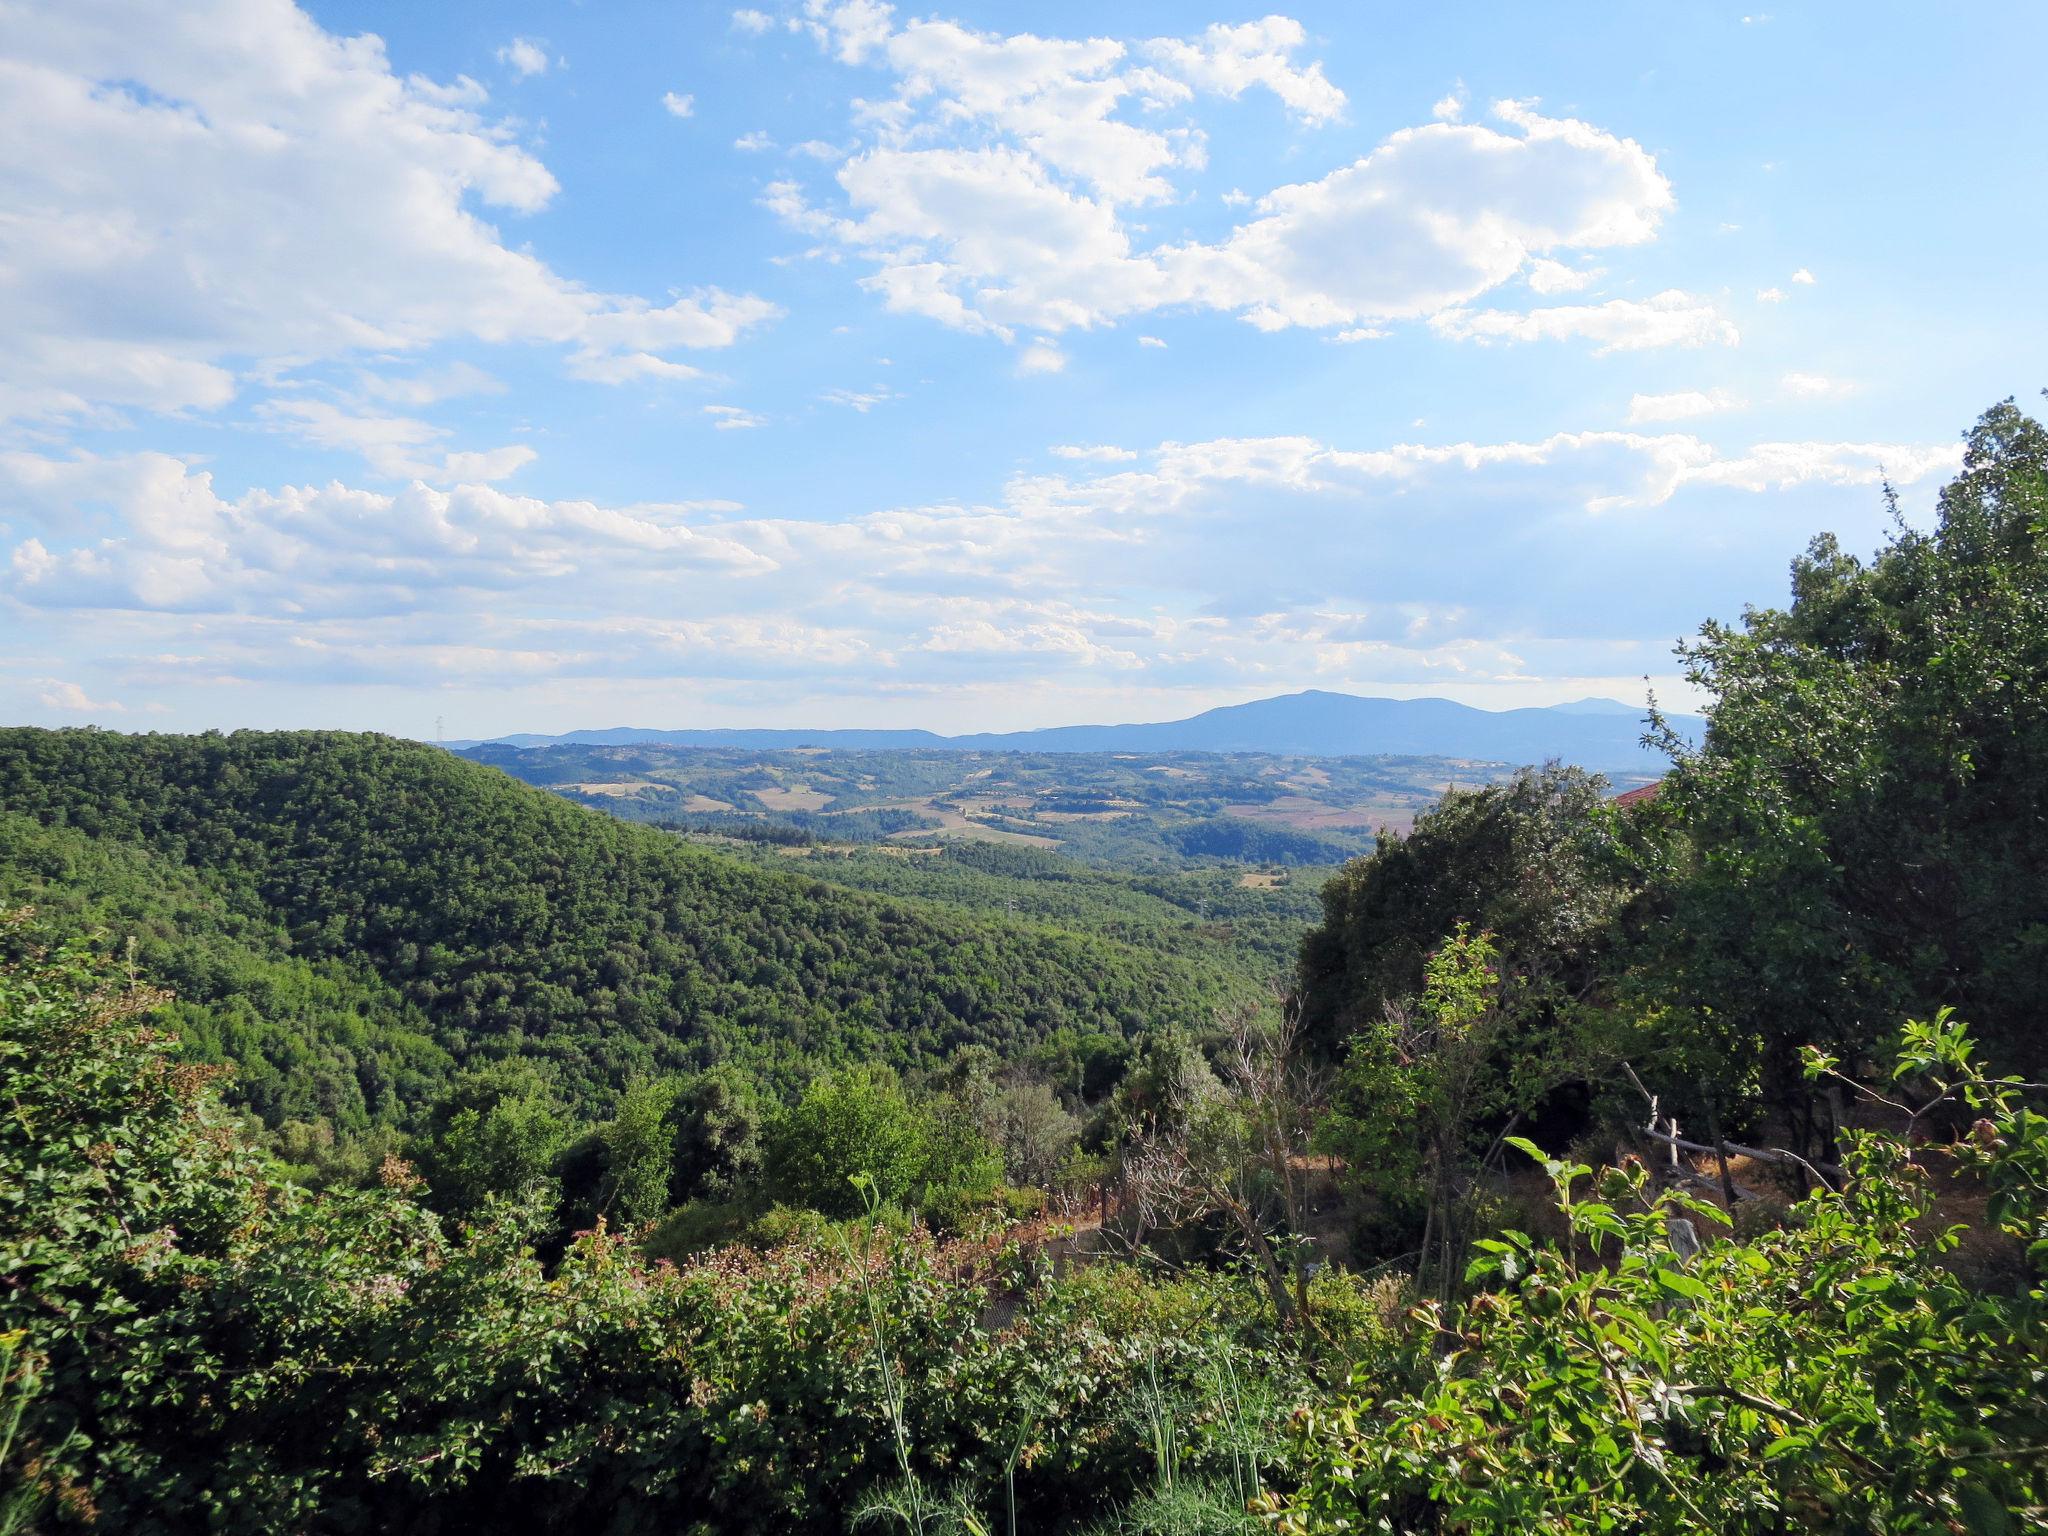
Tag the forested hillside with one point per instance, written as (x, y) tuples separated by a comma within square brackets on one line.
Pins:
[(1614, 1167), (350, 917)]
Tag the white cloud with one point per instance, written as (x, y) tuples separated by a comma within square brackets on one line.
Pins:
[(524, 57), (1681, 405), (678, 106), (1669, 319), (1264, 560), (432, 385), (755, 142), (1150, 341), (1096, 453), (1770, 295), (733, 418), (1359, 333), (181, 226), (752, 21), (1547, 276), (73, 699), (486, 466), (1229, 60), (1041, 357), (1450, 107), (857, 400), (1001, 236), (1804, 277), (400, 447), (1814, 386)]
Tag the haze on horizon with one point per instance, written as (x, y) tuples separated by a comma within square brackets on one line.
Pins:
[(535, 367)]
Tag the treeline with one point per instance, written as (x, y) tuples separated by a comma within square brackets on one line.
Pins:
[(1209, 912), (462, 918), (1861, 839)]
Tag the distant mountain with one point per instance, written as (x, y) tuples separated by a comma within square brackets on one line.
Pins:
[(1601, 734)]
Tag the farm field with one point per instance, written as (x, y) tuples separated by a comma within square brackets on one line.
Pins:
[(1120, 810)]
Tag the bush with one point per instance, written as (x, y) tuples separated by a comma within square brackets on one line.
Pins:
[(212, 1351), (691, 1228), (1836, 1376), (846, 1123)]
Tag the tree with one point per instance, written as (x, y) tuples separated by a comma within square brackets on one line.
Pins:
[(495, 1134), (1414, 1088), (855, 1121), (718, 1117), (1530, 861), (639, 1148), (1863, 833), (1033, 1129), (1230, 1146)]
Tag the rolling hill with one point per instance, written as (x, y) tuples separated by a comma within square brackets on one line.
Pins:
[(1600, 734), (349, 919)]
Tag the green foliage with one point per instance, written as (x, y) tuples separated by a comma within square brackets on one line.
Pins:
[(640, 1155), (1232, 837), (857, 1124), (410, 913), (495, 1135), (1527, 860), (1833, 1376), (717, 1116), (850, 1124), (217, 1352), (1413, 1091), (1862, 834)]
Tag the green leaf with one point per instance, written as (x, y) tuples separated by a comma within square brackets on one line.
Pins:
[(1680, 1284), (1984, 1513)]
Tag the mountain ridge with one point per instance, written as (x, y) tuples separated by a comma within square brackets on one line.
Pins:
[(1595, 733)]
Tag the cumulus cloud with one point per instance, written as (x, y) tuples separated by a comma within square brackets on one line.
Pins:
[(678, 105), (1229, 561), (1547, 276), (1097, 453), (182, 225), (1041, 357), (992, 192), (73, 699), (752, 22), (524, 57), (1229, 60)]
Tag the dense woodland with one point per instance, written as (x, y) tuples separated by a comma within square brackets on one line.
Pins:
[(1638, 1167), (350, 919)]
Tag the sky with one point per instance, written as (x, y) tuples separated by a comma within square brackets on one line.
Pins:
[(527, 365)]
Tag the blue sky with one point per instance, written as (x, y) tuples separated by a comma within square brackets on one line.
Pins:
[(535, 366)]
